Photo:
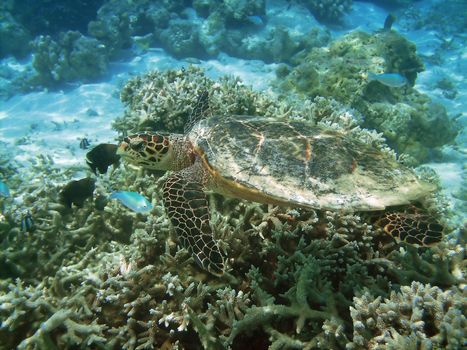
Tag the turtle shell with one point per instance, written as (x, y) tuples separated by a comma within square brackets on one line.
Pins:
[(301, 164)]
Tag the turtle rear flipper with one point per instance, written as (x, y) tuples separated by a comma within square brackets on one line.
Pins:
[(411, 228), (187, 207)]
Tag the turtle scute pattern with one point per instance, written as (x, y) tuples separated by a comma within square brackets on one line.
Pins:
[(188, 209), (305, 164), (414, 229)]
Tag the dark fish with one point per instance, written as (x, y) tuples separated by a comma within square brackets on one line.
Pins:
[(100, 202), (77, 191), (102, 156), (84, 143), (27, 222), (390, 19)]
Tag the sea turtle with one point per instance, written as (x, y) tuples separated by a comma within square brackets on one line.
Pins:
[(284, 162)]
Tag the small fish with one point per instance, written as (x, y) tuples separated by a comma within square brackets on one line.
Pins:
[(4, 191), (390, 19), (256, 20), (91, 113), (102, 156), (27, 222), (100, 202), (388, 79), (77, 191), (84, 143), (133, 201)]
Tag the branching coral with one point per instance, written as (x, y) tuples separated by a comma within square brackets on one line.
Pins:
[(165, 100), (297, 279), (419, 315)]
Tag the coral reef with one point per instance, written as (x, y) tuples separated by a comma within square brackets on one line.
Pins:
[(106, 277), (72, 57), (112, 27), (14, 37), (339, 72), (391, 4), (181, 38), (278, 44), (164, 100), (328, 10), (72, 47), (442, 17), (14, 78), (419, 315), (51, 17)]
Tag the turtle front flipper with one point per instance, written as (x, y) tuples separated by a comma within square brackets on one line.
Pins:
[(187, 207), (411, 228)]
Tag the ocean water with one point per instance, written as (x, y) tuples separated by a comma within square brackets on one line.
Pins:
[(304, 188)]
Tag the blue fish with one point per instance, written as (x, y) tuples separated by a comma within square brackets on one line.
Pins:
[(133, 201), (255, 20), (4, 191), (388, 79)]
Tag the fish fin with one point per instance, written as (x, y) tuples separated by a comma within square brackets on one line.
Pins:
[(92, 166), (115, 195), (102, 169), (371, 76)]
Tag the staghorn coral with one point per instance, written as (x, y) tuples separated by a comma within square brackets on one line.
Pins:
[(418, 316), (165, 100), (115, 279)]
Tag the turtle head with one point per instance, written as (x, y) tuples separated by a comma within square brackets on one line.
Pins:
[(148, 150)]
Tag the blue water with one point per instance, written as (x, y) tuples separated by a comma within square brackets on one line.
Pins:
[(99, 275)]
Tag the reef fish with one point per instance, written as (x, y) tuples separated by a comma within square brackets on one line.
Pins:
[(388, 22), (27, 223), (133, 201), (4, 191), (102, 156), (256, 20), (84, 143), (77, 191), (388, 79)]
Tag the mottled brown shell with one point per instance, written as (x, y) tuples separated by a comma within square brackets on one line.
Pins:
[(295, 162)]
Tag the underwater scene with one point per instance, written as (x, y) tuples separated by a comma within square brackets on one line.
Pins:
[(232, 174)]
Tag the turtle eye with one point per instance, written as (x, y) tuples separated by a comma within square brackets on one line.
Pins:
[(137, 146)]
